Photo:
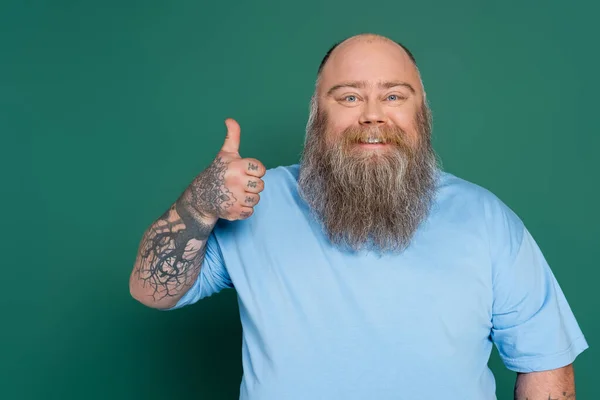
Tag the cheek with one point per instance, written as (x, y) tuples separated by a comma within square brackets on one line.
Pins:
[(406, 120), (339, 122)]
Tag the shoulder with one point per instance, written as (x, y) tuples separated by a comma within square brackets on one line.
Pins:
[(502, 226), (453, 188), (463, 193)]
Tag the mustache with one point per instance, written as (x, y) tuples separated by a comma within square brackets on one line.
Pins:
[(387, 135)]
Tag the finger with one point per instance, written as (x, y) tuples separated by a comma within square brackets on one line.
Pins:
[(246, 212), (232, 140), (254, 185), (250, 199), (254, 167)]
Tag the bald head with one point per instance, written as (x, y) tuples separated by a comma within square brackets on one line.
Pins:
[(371, 36), (369, 56)]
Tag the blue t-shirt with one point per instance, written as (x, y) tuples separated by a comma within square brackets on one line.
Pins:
[(320, 323)]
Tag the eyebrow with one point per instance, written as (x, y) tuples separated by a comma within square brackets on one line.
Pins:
[(363, 84)]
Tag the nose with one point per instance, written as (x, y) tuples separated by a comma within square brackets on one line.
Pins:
[(372, 115)]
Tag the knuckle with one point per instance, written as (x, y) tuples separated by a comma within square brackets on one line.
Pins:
[(237, 167), (246, 213), (251, 184), (226, 214), (233, 180), (249, 200), (238, 181), (229, 217), (252, 164), (234, 207)]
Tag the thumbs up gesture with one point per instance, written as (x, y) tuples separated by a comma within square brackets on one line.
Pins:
[(229, 188)]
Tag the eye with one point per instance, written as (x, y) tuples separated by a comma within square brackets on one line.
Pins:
[(394, 97), (350, 98)]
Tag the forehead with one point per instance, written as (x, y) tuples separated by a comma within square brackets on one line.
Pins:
[(369, 60)]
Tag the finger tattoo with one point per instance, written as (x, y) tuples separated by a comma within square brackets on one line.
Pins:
[(245, 214)]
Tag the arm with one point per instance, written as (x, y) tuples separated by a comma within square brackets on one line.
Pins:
[(172, 249), (556, 384), (170, 254), (533, 327)]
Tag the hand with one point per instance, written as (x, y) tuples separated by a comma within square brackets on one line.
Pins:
[(229, 188)]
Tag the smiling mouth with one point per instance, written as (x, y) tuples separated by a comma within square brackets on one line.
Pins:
[(372, 141)]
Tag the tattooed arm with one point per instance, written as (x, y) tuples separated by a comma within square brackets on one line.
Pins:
[(556, 384), (170, 255), (172, 248)]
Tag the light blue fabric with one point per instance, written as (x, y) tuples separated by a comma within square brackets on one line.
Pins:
[(319, 323)]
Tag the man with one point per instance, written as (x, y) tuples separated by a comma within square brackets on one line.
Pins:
[(366, 272)]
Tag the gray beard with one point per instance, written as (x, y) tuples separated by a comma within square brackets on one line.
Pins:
[(363, 199)]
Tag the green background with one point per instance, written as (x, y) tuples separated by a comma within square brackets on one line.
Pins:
[(109, 109)]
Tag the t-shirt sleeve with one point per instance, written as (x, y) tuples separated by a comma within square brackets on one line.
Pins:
[(533, 327), (213, 276)]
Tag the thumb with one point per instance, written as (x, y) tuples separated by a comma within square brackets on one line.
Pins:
[(232, 140)]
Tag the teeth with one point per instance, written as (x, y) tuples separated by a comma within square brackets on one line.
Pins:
[(373, 141)]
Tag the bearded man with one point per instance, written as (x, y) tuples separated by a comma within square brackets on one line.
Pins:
[(366, 272)]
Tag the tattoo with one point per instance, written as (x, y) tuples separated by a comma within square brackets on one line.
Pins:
[(252, 167), (171, 253), (249, 199), (172, 250), (208, 191), (252, 184), (245, 214)]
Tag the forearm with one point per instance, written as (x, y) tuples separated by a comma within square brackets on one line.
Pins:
[(557, 384), (170, 255)]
